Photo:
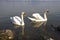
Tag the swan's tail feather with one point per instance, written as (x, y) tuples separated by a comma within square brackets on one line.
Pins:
[(15, 21), (11, 18)]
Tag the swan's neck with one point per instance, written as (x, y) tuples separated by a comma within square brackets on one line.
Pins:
[(22, 20), (45, 16)]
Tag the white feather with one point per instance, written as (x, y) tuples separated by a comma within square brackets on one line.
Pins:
[(17, 20), (37, 16)]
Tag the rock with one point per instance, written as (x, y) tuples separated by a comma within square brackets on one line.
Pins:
[(9, 33)]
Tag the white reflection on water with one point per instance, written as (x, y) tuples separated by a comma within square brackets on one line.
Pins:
[(22, 29), (50, 39), (38, 24)]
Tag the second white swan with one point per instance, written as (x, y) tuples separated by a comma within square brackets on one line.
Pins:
[(38, 17)]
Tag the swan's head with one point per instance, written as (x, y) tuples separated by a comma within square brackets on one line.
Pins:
[(46, 11), (23, 13)]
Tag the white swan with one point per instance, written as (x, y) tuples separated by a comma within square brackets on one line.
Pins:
[(17, 20), (38, 17)]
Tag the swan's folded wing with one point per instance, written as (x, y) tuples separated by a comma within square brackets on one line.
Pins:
[(16, 21), (18, 18), (31, 18), (37, 16)]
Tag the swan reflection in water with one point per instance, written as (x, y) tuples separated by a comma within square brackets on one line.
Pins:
[(38, 24), (20, 27)]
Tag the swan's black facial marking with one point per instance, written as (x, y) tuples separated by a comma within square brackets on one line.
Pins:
[(47, 11)]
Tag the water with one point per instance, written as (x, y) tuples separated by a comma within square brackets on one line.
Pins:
[(32, 31)]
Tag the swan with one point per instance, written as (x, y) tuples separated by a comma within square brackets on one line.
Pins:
[(38, 17), (17, 20)]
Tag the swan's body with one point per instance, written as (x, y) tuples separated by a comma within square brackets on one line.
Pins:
[(17, 20), (38, 17)]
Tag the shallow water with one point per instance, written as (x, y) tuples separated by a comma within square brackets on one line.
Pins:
[(31, 31)]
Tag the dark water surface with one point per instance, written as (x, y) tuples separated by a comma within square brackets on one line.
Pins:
[(39, 31)]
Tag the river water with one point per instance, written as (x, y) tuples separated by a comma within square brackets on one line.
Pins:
[(38, 31)]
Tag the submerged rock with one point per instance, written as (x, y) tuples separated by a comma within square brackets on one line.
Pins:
[(6, 34), (9, 34)]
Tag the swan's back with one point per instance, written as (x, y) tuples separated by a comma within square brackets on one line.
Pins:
[(37, 16), (16, 20)]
